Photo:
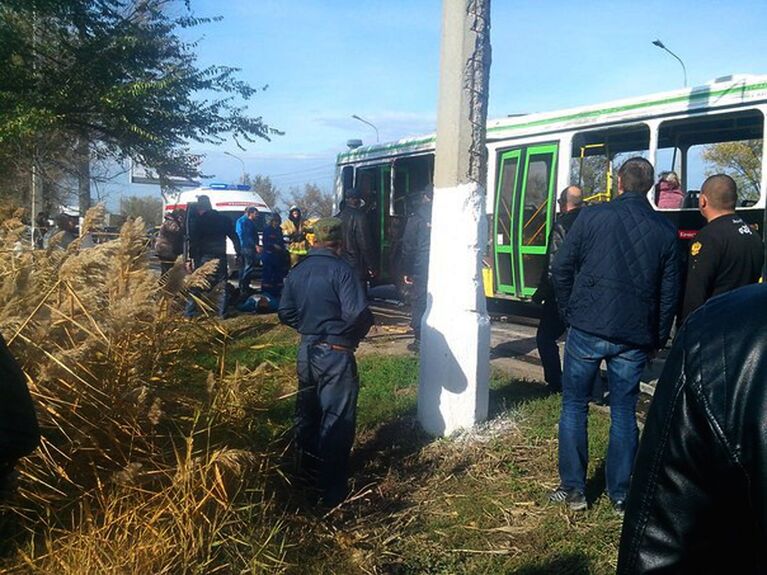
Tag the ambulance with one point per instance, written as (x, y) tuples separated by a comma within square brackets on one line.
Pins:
[(228, 199)]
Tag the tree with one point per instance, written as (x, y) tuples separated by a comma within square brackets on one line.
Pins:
[(591, 174), (313, 202), (740, 160), (115, 74), (264, 187), (146, 207)]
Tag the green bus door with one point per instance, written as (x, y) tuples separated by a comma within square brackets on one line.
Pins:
[(524, 203)]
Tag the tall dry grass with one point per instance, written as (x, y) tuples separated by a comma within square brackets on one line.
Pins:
[(140, 468)]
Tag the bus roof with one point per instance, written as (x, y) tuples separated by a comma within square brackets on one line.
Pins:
[(720, 93)]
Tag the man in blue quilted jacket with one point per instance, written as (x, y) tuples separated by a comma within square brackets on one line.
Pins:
[(616, 279)]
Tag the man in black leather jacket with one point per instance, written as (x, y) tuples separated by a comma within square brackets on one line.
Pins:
[(19, 431), (358, 248), (698, 497), (207, 232), (551, 327)]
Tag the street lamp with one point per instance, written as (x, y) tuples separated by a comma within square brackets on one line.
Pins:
[(662, 46), (364, 121), (242, 174)]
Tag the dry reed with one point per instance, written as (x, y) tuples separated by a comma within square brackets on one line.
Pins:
[(135, 473)]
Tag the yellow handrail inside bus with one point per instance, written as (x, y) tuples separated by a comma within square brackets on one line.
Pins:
[(536, 234), (600, 196), (528, 222)]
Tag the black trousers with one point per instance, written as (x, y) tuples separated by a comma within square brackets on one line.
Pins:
[(165, 266), (220, 275), (326, 416), (418, 302), (550, 329)]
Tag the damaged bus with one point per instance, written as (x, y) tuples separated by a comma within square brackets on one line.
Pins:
[(692, 131)]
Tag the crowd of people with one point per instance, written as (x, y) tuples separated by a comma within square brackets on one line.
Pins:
[(201, 236), (274, 244), (615, 282)]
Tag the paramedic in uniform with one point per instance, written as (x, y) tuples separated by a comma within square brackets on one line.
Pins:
[(726, 254), (323, 299)]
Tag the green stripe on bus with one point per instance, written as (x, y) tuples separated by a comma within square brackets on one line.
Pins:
[(698, 95)]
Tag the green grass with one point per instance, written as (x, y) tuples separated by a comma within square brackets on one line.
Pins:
[(444, 507), (388, 388), (490, 514)]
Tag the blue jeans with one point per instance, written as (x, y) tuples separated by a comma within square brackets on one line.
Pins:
[(583, 354)]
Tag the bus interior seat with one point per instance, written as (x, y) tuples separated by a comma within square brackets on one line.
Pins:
[(691, 199)]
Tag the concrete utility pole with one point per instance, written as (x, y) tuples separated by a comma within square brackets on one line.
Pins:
[(455, 340)]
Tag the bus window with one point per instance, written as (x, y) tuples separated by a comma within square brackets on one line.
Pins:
[(597, 155), (700, 146), (535, 209), (347, 178), (411, 176)]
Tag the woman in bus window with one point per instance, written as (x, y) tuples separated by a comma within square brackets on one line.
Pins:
[(668, 191)]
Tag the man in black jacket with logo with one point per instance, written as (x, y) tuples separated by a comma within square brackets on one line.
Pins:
[(551, 327), (616, 279), (726, 254), (698, 498), (325, 302)]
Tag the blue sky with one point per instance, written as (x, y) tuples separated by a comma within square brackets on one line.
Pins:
[(325, 60)]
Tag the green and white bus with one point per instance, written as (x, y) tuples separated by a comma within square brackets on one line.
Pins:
[(693, 131)]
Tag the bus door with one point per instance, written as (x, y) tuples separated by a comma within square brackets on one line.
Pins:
[(505, 280), (375, 184), (522, 218)]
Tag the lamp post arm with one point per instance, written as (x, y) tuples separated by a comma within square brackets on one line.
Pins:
[(242, 173), (684, 68), (663, 47), (364, 121)]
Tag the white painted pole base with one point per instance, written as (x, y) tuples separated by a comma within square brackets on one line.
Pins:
[(455, 331)]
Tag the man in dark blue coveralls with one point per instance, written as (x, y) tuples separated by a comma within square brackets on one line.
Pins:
[(323, 299)]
